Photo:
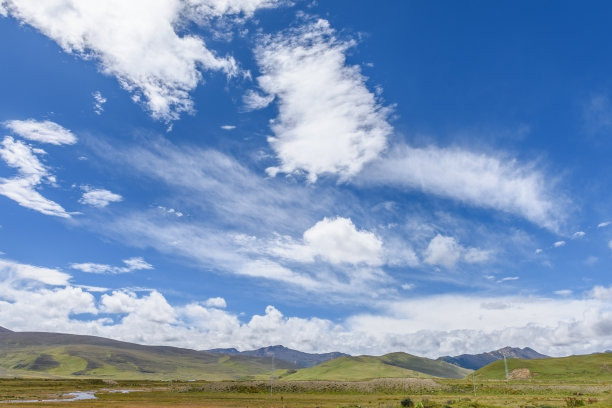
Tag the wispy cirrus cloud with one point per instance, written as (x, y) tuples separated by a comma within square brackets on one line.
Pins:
[(328, 122), (31, 173), (130, 265), (41, 131), (14, 271), (99, 102), (474, 178)]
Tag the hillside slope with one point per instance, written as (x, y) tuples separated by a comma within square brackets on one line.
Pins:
[(35, 354), (592, 367), (392, 365)]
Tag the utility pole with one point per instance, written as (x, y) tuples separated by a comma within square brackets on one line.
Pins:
[(272, 375), (506, 367), (474, 384)]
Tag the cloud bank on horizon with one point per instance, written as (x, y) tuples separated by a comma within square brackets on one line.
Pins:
[(362, 184)]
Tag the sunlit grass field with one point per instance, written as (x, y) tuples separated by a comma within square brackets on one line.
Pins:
[(388, 393)]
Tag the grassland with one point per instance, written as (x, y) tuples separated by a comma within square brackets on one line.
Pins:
[(387, 393), (586, 368)]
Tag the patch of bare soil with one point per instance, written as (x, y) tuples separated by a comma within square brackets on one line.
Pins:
[(520, 374)]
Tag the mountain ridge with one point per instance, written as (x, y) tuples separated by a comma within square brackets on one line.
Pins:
[(477, 361), (279, 352)]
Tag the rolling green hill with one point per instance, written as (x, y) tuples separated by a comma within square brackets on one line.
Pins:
[(63, 355), (592, 367), (392, 365)]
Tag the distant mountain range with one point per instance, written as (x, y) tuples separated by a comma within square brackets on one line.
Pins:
[(42, 354), (57, 355), (477, 361), (298, 358)]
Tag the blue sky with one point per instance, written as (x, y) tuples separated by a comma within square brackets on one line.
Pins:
[(428, 177)]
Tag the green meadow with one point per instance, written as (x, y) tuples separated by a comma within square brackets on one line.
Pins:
[(396, 393)]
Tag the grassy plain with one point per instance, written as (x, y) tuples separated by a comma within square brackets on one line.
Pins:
[(382, 393)]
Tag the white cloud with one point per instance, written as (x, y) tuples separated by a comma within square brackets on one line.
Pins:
[(610, 244), (559, 244), (429, 326), (578, 234), (228, 127), (153, 308), (508, 278), (443, 251), (423, 325), (477, 179), (334, 240), (14, 271), (268, 269), (254, 100), (43, 132), (539, 251), (446, 251), (31, 173), (131, 264), (563, 292), (99, 102), (205, 9), (216, 302), (603, 224), (171, 211), (99, 197), (475, 255), (137, 42), (329, 122), (601, 293)]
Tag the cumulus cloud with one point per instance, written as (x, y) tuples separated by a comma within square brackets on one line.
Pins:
[(41, 131), (31, 173), (476, 179), (131, 264), (216, 302), (425, 325), (430, 325), (578, 234), (329, 122), (603, 224), (228, 127), (446, 251), (334, 240), (559, 244), (137, 42), (99, 197)]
